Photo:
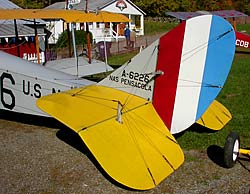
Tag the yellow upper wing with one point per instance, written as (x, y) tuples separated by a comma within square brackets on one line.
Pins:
[(138, 152), (215, 117)]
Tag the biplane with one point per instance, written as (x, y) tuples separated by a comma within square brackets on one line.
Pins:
[(128, 119)]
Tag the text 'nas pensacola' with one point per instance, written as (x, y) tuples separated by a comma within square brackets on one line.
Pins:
[(133, 79)]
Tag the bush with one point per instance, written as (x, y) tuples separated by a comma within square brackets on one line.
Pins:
[(80, 37)]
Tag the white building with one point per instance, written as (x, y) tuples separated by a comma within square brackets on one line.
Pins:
[(101, 31)]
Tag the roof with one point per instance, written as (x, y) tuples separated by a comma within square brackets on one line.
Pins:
[(222, 13), (93, 5), (5, 4), (8, 30), (229, 13), (7, 26)]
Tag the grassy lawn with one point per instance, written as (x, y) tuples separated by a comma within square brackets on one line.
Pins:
[(244, 28), (234, 96), (118, 60), (158, 27)]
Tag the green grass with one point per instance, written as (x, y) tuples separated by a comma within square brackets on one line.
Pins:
[(244, 28), (118, 60), (157, 27)]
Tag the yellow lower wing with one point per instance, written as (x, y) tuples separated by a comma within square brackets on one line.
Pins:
[(138, 151), (215, 117)]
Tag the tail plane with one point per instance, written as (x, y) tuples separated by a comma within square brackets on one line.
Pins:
[(124, 119), (182, 72)]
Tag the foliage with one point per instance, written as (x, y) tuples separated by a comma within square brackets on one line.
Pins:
[(156, 7), (185, 5), (243, 5), (159, 7), (80, 37), (34, 4)]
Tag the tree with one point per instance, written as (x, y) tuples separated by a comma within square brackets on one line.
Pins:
[(207, 5), (243, 6), (157, 8), (80, 37), (34, 4), (29, 4), (186, 5)]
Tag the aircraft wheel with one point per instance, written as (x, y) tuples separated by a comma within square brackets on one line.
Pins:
[(231, 149)]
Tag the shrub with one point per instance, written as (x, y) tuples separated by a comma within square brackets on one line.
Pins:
[(80, 37)]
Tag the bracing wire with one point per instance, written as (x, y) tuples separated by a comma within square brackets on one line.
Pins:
[(186, 56), (197, 49), (132, 127)]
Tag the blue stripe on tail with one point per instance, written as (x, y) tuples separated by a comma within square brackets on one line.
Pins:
[(220, 53)]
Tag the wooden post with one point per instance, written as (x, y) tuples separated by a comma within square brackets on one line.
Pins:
[(37, 43), (234, 24)]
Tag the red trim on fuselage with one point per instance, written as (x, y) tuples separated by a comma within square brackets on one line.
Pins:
[(242, 40), (169, 58)]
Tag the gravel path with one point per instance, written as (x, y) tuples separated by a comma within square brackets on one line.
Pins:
[(37, 159)]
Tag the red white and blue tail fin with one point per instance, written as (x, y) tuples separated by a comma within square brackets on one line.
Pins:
[(182, 72)]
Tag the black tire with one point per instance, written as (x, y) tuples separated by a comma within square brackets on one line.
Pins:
[(231, 149)]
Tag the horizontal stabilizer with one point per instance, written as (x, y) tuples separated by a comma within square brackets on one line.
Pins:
[(215, 117), (123, 132)]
